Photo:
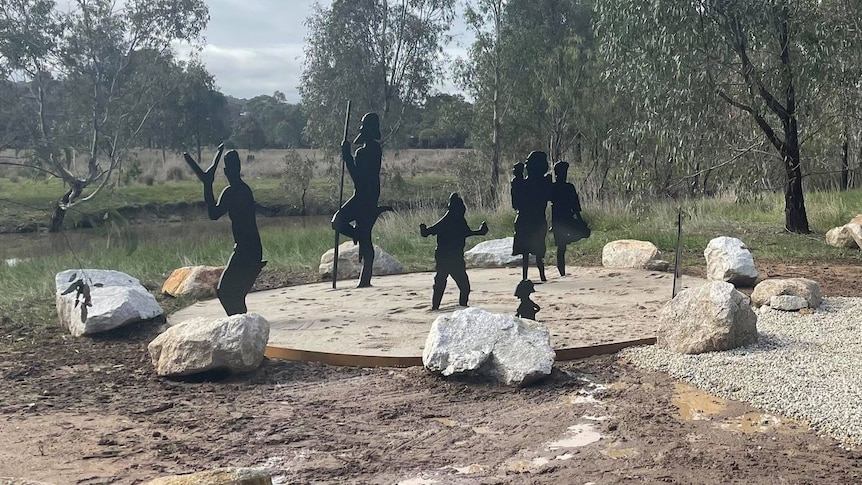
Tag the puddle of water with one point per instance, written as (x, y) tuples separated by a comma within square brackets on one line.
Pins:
[(582, 435), (695, 404), (614, 451), (763, 423)]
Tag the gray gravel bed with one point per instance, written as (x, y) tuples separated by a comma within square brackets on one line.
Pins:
[(804, 366)]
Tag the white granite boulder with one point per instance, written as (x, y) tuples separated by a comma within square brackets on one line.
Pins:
[(709, 318), (219, 476), (804, 288), (235, 343), (116, 299), (349, 265), (631, 253), (508, 349), (841, 237), (494, 253), (195, 281), (728, 259)]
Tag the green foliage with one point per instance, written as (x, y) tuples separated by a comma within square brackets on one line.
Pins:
[(298, 172), (109, 61), (382, 55)]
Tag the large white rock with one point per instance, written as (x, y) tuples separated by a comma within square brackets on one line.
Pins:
[(506, 348), (630, 253), (728, 259), (117, 300), (235, 343), (709, 318), (349, 265), (841, 237), (494, 253), (804, 288)]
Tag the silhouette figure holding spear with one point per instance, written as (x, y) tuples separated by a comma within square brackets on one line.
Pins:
[(361, 208)]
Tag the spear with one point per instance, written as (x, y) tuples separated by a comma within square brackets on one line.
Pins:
[(340, 200)]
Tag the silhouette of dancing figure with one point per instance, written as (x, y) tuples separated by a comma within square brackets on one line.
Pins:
[(566, 222), (361, 208), (237, 201), (452, 232), (527, 308), (530, 198)]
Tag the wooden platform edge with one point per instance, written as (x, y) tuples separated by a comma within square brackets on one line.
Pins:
[(358, 360)]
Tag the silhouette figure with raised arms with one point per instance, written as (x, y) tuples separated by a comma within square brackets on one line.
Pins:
[(361, 208), (452, 232), (237, 201), (530, 198), (566, 222), (527, 308)]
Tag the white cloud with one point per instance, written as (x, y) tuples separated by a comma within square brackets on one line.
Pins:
[(255, 47), (246, 72)]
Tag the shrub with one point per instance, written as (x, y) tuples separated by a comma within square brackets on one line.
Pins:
[(175, 173)]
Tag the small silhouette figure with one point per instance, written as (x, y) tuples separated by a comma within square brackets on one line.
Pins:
[(452, 232), (527, 308), (237, 201), (530, 198), (517, 190), (361, 208), (566, 222)]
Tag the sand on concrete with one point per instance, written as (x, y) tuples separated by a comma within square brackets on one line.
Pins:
[(589, 306)]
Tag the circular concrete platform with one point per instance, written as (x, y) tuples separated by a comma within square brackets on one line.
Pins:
[(590, 306)]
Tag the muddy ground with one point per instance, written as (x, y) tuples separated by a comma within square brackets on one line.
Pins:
[(91, 411)]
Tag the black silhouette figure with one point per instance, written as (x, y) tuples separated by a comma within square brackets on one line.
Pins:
[(527, 308), (237, 201), (361, 208), (566, 222), (530, 198), (452, 232)]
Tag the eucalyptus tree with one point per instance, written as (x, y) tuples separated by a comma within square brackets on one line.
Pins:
[(383, 55), (482, 76), (687, 59), (200, 107), (548, 46), (281, 121), (93, 48)]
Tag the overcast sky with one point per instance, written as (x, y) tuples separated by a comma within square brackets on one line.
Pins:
[(256, 46)]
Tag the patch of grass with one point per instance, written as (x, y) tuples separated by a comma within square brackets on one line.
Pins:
[(295, 244)]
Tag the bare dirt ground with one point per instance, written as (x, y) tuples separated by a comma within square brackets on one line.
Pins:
[(90, 410)]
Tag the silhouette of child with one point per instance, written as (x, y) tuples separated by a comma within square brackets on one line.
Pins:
[(452, 232), (527, 308)]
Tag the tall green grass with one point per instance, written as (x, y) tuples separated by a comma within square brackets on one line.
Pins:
[(295, 245)]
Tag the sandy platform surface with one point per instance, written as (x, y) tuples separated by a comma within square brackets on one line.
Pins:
[(589, 306)]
